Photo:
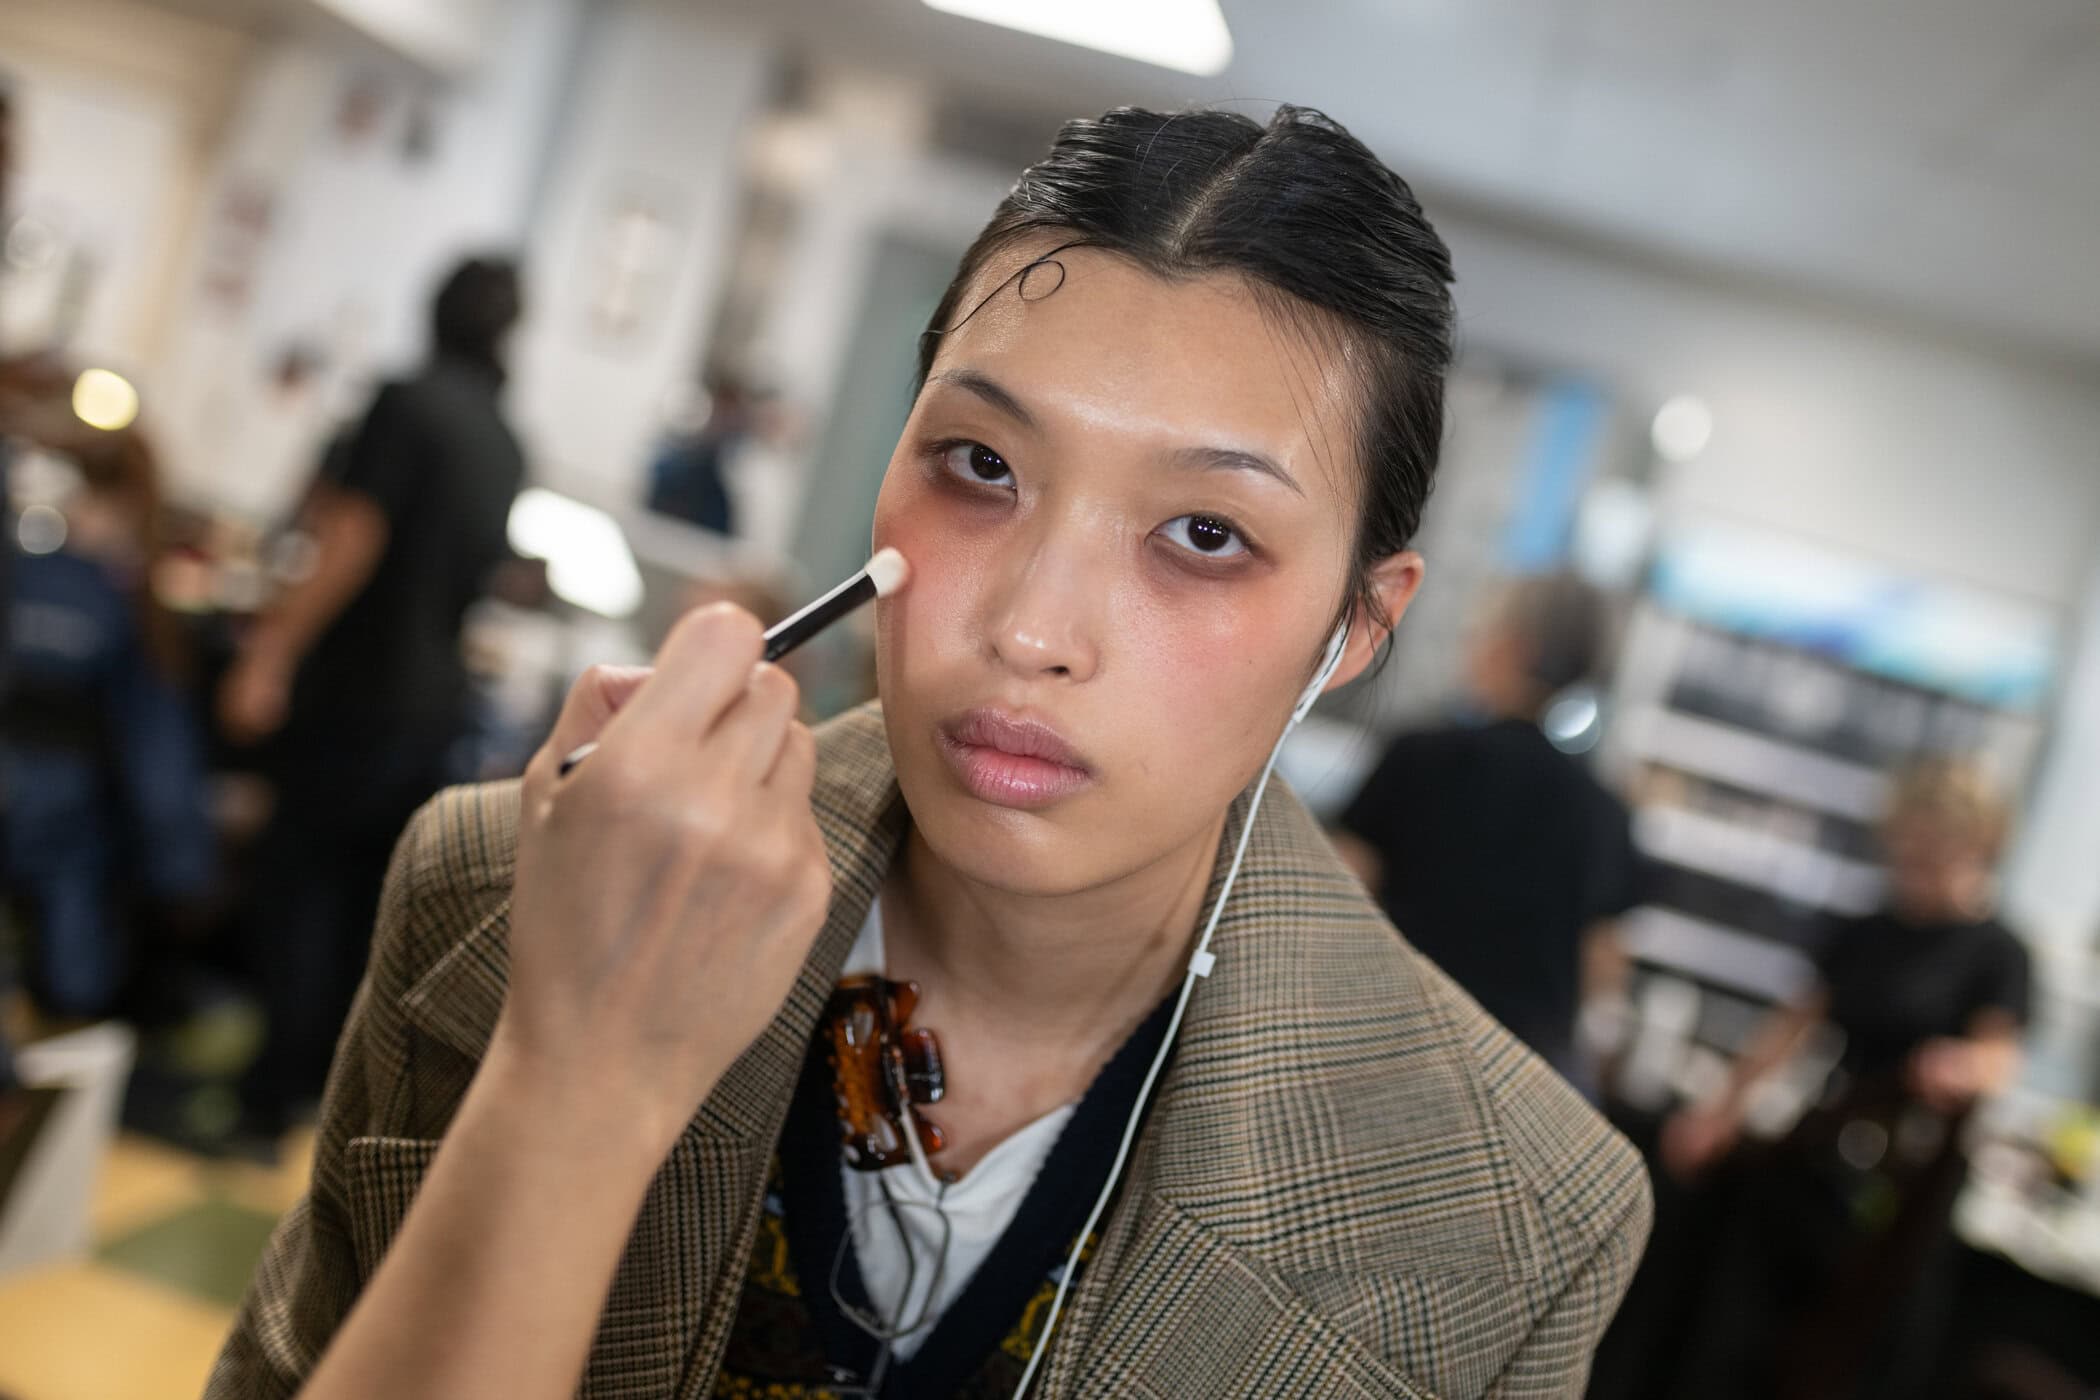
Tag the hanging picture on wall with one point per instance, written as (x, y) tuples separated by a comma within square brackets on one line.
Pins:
[(633, 261)]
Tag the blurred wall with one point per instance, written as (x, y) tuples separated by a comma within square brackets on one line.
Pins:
[(2053, 876), (1902, 444), (346, 184), (628, 251), (882, 219), (118, 113), (448, 35)]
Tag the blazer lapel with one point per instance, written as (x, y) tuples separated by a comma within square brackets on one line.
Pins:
[(674, 1297), (862, 817)]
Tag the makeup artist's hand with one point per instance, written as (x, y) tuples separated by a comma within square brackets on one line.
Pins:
[(668, 890), (255, 697), (1946, 1074), (1694, 1139)]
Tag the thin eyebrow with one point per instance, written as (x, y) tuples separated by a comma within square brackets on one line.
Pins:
[(1201, 458), (1235, 459), (991, 391)]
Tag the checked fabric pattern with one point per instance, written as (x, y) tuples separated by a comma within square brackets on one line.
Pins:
[(1353, 1183)]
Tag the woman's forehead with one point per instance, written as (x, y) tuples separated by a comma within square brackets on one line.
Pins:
[(1200, 361)]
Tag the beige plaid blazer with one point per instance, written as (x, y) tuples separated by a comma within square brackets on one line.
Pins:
[(1352, 1183)]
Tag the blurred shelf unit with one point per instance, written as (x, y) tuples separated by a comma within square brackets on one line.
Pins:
[(1758, 770), (1730, 756), (1735, 962), (1751, 854), (1766, 692)]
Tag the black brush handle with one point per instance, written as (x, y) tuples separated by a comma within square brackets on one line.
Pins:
[(783, 636)]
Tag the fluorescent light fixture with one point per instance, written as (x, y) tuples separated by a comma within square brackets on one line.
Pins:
[(588, 562), (1189, 35)]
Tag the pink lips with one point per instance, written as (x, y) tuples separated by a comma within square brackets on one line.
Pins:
[(1011, 762)]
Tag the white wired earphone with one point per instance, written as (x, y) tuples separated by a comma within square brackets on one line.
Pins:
[(1200, 964)]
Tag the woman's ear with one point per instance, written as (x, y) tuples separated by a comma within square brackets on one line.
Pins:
[(1394, 581)]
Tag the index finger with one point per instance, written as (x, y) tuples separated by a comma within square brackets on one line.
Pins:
[(701, 669), (599, 693)]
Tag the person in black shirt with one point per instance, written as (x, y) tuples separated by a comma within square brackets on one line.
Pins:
[(355, 672), (1493, 852), (1829, 1276), (1931, 992)]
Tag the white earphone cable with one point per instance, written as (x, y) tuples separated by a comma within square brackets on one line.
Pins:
[(1200, 963)]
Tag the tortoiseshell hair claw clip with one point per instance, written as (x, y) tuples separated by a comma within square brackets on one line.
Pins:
[(882, 1070)]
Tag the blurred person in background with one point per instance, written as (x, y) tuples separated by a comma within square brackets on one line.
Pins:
[(355, 672), (1832, 1273), (733, 473), (28, 385), (101, 759), (11, 1109), (1492, 851), (7, 514), (689, 479)]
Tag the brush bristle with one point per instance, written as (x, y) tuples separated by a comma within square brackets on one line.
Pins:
[(889, 571)]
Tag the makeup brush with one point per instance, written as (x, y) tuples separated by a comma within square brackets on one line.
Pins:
[(883, 575)]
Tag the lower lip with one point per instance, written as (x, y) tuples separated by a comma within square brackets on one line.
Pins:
[(1011, 780)]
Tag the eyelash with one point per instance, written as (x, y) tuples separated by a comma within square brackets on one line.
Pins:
[(939, 452)]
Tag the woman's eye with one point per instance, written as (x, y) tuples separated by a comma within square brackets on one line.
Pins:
[(1206, 535), (974, 462)]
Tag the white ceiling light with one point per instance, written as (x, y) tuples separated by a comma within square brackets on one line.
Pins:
[(1189, 35), (588, 562), (1682, 428)]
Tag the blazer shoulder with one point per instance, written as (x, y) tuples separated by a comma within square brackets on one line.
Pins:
[(467, 837), (1519, 1214), (1450, 1149), (451, 870), (1576, 1180), (1587, 1184)]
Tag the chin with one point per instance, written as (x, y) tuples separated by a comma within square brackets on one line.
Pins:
[(1024, 853)]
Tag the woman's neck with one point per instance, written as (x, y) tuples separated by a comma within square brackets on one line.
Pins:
[(1076, 970)]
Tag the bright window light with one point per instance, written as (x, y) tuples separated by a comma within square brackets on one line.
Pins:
[(1189, 35), (588, 562)]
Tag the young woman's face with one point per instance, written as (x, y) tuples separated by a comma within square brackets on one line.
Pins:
[(1129, 507)]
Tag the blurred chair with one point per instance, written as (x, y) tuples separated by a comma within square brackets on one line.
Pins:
[(44, 1215)]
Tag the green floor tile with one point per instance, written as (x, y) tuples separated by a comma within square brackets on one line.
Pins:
[(208, 1250)]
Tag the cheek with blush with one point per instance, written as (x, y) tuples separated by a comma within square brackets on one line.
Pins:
[(1209, 689), (931, 617)]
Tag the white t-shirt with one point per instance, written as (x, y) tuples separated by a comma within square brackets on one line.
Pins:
[(978, 1208)]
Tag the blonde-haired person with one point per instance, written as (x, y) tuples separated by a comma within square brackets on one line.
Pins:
[(1830, 1264)]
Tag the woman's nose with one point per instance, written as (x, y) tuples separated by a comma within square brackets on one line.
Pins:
[(1043, 616)]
